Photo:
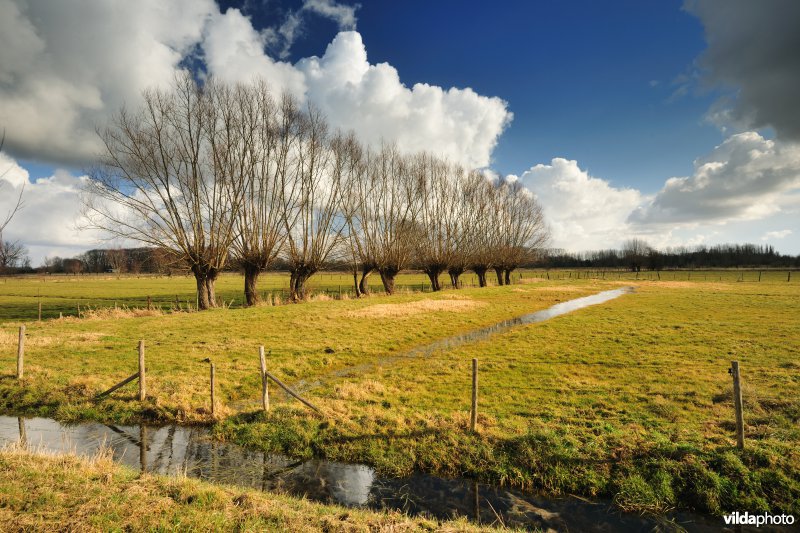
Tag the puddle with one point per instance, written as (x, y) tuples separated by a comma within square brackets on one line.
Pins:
[(190, 450)]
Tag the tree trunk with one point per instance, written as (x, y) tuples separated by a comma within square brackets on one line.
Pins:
[(387, 277), (251, 273), (205, 277), (297, 284), (481, 272), (363, 285), (499, 272), (508, 272), (455, 273), (211, 281), (433, 275), (355, 282)]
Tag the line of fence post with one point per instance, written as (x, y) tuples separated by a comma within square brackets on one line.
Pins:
[(737, 403), (264, 381), (142, 383), (21, 353), (473, 421), (213, 395)]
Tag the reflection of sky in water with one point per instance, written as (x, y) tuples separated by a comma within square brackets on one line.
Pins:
[(190, 451)]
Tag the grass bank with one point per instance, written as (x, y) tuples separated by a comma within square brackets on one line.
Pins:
[(67, 493), (629, 399)]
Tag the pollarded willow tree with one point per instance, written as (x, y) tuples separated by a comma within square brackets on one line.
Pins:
[(381, 210), (439, 224), (521, 228), (270, 136), (312, 200), (170, 177)]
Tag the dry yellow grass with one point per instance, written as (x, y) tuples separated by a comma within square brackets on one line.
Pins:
[(67, 493), (452, 305)]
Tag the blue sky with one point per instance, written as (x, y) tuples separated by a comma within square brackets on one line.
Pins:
[(576, 74), (671, 121)]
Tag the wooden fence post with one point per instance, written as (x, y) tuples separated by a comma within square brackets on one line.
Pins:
[(142, 384), (264, 382), (40, 311), (149, 303), (737, 402), (473, 422), (213, 396), (21, 353)]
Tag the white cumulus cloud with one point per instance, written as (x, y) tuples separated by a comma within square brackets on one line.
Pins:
[(51, 219), (66, 67), (584, 212), (747, 177)]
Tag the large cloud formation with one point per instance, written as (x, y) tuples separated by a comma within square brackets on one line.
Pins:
[(747, 177), (65, 67), (752, 48), (584, 212), (747, 188), (50, 220)]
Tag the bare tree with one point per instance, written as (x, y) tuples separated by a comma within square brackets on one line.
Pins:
[(12, 255), (311, 202), (269, 137), (72, 266), (521, 228), (480, 232), (169, 177), (384, 220), (13, 210), (117, 259), (352, 204), (635, 251), (438, 184)]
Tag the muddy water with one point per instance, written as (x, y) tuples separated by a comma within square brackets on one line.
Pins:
[(191, 451)]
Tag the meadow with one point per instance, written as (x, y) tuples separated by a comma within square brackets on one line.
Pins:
[(629, 399)]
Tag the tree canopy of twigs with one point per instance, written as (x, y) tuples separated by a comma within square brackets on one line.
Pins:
[(10, 251)]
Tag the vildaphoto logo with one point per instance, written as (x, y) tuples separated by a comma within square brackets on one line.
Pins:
[(758, 520)]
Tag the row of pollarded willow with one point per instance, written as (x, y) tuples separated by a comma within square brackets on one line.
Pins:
[(219, 173)]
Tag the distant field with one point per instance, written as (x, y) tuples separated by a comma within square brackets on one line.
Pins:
[(629, 399), (62, 294)]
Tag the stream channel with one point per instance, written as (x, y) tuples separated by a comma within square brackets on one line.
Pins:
[(192, 452)]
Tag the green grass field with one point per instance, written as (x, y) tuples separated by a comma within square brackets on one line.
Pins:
[(629, 399)]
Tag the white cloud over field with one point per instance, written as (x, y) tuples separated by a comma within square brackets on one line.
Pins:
[(739, 192), (66, 67)]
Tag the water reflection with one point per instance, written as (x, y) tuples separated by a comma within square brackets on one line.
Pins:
[(191, 451)]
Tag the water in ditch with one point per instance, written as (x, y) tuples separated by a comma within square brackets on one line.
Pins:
[(192, 452), (449, 343)]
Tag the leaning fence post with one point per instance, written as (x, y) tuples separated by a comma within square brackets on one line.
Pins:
[(213, 396), (737, 402), (264, 382), (21, 353), (142, 385), (473, 422)]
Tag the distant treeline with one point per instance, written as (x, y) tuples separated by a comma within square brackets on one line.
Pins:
[(636, 255)]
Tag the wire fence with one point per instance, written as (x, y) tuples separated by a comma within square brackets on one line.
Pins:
[(490, 386)]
